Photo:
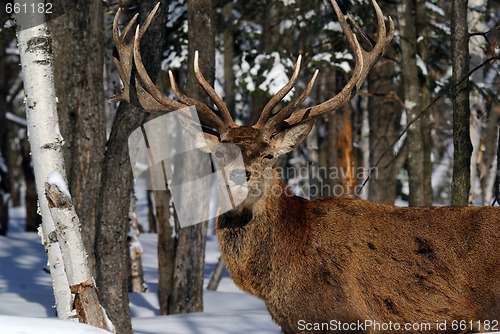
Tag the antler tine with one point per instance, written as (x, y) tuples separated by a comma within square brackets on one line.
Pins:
[(147, 95), (266, 112), (149, 87), (364, 61), (183, 98), (126, 48), (226, 115), (125, 54), (273, 123), (364, 36), (207, 117)]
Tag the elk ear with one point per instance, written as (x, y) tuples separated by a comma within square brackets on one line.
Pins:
[(289, 139)]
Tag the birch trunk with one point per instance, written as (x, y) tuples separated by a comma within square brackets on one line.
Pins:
[(69, 267), (45, 140)]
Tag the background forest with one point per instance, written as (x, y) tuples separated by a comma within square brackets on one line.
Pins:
[(248, 50)]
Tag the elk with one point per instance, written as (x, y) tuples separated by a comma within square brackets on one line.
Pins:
[(334, 263)]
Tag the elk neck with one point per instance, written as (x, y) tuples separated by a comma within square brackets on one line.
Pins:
[(261, 227)]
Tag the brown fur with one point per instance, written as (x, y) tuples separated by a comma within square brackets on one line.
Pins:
[(352, 260)]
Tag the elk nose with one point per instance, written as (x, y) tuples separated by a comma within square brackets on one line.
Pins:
[(239, 176)]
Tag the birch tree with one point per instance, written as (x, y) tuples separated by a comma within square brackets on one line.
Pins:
[(60, 227)]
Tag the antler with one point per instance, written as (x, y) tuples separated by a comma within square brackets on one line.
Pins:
[(140, 90), (364, 61)]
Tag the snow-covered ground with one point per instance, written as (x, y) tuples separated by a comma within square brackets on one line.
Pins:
[(27, 302)]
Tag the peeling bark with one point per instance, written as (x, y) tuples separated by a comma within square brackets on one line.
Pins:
[(67, 228), (87, 305)]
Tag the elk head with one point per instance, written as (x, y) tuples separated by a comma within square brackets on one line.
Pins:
[(274, 133)]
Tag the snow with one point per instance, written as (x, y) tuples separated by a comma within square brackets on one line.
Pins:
[(285, 25), (28, 303), (175, 60), (409, 105), (339, 59), (23, 325), (333, 26), (421, 65), (243, 69), (276, 77), (432, 7), (3, 164), (55, 179)]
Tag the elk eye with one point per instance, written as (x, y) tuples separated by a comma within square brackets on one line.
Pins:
[(269, 156), (219, 154)]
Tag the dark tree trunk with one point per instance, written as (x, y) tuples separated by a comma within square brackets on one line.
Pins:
[(111, 245), (13, 158), (227, 11), (421, 21), (18, 161), (409, 71), (461, 112), (153, 224), (4, 206), (166, 251), (384, 114), (270, 38), (114, 202), (4, 89), (340, 181), (33, 219), (4, 214), (190, 251), (78, 63)]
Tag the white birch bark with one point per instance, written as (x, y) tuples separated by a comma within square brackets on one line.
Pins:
[(60, 226), (67, 228), (475, 137), (482, 176), (45, 139)]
